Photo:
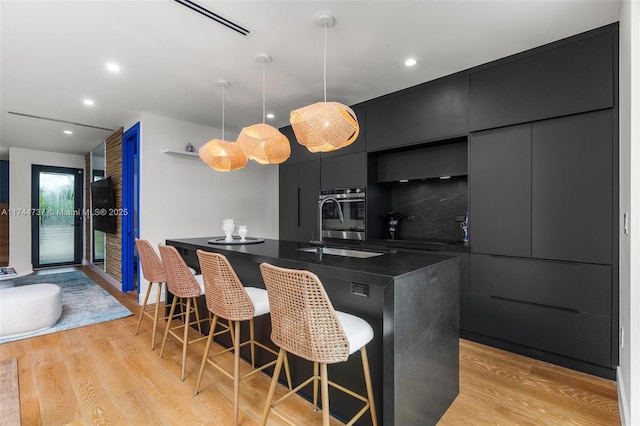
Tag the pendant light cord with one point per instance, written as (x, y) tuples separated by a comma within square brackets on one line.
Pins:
[(263, 93), (325, 62), (222, 112)]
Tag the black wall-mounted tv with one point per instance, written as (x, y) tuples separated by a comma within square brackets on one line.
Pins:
[(103, 205)]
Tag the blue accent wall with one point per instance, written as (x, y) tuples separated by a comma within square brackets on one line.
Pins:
[(4, 181)]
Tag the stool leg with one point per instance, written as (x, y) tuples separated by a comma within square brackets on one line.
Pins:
[(166, 331), (185, 338), (155, 317), (287, 372), (315, 386), (253, 346), (236, 371), (272, 388), (324, 385), (195, 308), (144, 306), (212, 330), (367, 381)]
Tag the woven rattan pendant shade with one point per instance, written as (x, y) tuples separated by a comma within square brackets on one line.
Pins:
[(325, 126), (261, 142), (264, 144), (222, 156)]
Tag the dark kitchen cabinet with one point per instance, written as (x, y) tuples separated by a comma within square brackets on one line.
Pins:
[(288, 202), (572, 335), (298, 201), (424, 162), (344, 171), (500, 191), (431, 111), (559, 307), (572, 188), (572, 78), (577, 287)]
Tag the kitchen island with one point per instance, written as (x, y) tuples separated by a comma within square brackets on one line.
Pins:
[(410, 299)]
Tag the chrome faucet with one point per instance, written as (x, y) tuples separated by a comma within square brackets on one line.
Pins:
[(319, 243)]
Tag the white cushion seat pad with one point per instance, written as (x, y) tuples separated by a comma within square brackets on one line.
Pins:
[(358, 331), (200, 281), (260, 300)]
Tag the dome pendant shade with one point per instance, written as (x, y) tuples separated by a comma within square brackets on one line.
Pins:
[(222, 156), (325, 126), (264, 144)]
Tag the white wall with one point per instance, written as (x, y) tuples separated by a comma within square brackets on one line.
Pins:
[(628, 372), (20, 161), (182, 197)]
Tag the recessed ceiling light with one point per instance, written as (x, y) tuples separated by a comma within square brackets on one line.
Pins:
[(403, 180), (113, 67), (68, 132), (410, 62), (270, 116), (445, 177), (88, 102)]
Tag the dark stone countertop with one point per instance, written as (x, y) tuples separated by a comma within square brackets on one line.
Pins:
[(378, 270)]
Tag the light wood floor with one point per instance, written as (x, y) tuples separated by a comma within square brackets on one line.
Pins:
[(103, 374)]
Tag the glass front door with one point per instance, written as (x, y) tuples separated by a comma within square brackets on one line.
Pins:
[(56, 227)]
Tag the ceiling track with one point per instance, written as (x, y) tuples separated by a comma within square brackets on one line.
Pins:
[(60, 121), (214, 16)]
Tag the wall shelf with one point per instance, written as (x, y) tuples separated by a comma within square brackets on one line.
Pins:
[(181, 153)]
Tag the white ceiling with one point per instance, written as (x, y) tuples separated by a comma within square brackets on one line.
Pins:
[(53, 55)]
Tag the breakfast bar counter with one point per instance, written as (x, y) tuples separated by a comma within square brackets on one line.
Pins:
[(410, 299)]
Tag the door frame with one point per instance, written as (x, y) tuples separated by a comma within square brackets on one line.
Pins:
[(36, 169), (130, 206)]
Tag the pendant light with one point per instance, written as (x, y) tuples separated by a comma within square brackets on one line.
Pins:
[(219, 154), (325, 126), (261, 142)]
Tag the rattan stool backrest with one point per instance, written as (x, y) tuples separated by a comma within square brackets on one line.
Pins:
[(303, 321), (180, 280), (152, 269), (224, 292)]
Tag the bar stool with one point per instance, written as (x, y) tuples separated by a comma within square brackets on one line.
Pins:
[(228, 299), (183, 285), (152, 271), (304, 323)]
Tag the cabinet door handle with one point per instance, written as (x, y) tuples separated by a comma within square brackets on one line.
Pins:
[(567, 262), (524, 302)]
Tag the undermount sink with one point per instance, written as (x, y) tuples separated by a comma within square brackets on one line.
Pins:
[(344, 252)]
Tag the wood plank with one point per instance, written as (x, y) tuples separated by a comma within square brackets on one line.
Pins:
[(9, 392), (58, 400)]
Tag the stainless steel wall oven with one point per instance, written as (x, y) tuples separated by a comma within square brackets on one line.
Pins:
[(352, 201)]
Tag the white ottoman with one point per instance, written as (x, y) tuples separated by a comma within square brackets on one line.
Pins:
[(29, 308)]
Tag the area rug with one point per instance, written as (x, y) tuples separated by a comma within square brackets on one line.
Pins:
[(83, 302)]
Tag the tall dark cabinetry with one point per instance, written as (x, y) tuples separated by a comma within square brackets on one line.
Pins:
[(543, 211), (572, 188), (299, 189), (572, 77), (500, 191)]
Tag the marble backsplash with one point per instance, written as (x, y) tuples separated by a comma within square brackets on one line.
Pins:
[(434, 205)]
